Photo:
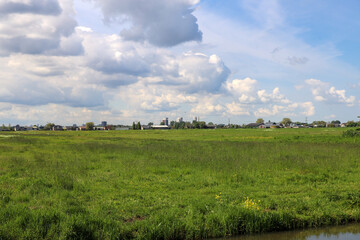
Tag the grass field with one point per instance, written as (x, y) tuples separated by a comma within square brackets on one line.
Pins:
[(178, 184)]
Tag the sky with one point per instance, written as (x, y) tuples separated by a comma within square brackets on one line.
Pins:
[(74, 61)]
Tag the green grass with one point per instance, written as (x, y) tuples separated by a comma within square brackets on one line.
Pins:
[(167, 184)]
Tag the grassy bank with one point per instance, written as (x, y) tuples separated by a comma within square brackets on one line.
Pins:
[(181, 184)]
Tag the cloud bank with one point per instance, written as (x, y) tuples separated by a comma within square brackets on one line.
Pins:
[(160, 22)]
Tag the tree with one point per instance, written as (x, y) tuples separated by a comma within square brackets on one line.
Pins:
[(150, 123), (351, 124), (49, 126), (138, 126), (133, 126), (260, 120), (286, 121), (319, 124), (172, 124), (202, 125), (89, 126)]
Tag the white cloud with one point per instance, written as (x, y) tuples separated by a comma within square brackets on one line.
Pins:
[(305, 108), (241, 86), (143, 97), (275, 96), (309, 109), (160, 22), (324, 92), (198, 72), (207, 105), (246, 91), (38, 27), (236, 109), (111, 55)]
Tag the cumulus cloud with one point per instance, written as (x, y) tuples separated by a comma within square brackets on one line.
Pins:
[(160, 22), (143, 97), (240, 86), (43, 7), (127, 62), (248, 100), (304, 108), (198, 72), (246, 92), (110, 55), (236, 109), (324, 92), (39, 80), (274, 96), (38, 27), (207, 105)]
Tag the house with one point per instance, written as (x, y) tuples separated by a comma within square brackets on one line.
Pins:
[(99, 128), (122, 128), (160, 127), (58, 128), (255, 125), (145, 127), (21, 128), (72, 128), (109, 127), (270, 124)]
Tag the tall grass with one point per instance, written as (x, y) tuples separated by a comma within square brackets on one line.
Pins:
[(175, 184)]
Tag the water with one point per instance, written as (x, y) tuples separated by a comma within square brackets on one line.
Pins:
[(347, 232)]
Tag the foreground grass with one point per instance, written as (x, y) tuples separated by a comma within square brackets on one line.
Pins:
[(175, 184)]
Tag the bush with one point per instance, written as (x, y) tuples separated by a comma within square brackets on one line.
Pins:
[(352, 133)]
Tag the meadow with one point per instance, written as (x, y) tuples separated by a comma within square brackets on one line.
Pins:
[(178, 184)]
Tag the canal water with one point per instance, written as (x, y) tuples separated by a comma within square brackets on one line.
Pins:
[(347, 232)]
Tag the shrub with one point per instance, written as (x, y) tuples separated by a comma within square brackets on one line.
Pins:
[(352, 133)]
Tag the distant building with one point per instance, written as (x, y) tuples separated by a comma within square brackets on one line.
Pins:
[(196, 119), (72, 128), (58, 128), (161, 127), (179, 119), (270, 124), (255, 125), (22, 128), (122, 128), (165, 121), (145, 127), (103, 123)]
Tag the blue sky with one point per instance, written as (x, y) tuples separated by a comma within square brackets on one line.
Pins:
[(74, 61)]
